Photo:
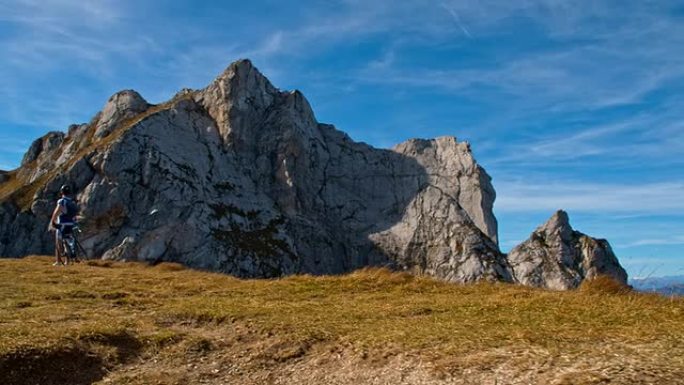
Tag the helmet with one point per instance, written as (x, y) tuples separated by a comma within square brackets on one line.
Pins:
[(65, 189)]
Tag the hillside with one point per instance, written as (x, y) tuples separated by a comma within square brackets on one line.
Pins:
[(115, 323)]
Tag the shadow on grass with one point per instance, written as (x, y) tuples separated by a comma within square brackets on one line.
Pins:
[(82, 363)]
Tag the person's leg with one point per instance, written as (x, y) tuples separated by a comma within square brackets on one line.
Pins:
[(58, 248), (66, 254)]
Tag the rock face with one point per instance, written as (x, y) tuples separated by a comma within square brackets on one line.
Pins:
[(558, 257), (44, 145), (122, 105), (239, 177)]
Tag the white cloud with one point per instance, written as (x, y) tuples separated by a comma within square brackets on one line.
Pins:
[(585, 64), (632, 52), (529, 196), (672, 240), (651, 136), (579, 78)]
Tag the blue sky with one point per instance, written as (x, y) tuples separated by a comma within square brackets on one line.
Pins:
[(568, 104)]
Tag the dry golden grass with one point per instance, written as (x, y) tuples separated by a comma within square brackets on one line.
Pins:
[(604, 284), (100, 304), (10, 185), (169, 266)]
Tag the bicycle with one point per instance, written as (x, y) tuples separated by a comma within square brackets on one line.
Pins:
[(71, 247)]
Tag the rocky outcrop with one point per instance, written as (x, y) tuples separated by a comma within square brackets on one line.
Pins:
[(452, 168), (43, 147), (122, 105), (558, 257), (240, 177)]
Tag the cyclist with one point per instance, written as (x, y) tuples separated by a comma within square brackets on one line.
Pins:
[(63, 221)]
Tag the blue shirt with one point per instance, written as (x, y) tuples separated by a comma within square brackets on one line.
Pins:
[(66, 217)]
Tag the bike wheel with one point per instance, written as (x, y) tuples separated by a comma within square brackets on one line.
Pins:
[(69, 251), (80, 250)]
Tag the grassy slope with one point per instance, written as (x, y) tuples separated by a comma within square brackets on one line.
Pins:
[(115, 312)]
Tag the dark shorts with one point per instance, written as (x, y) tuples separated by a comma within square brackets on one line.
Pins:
[(64, 230)]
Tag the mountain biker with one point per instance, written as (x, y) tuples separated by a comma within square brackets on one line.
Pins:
[(63, 220)]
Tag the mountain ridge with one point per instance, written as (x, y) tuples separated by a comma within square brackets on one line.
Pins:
[(668, 285), (243, 179)]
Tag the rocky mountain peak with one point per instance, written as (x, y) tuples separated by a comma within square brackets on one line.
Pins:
[(240, 66), (238, 101), (120, 106), (558, 257), (242, 84), (257, 187), (558, 224)]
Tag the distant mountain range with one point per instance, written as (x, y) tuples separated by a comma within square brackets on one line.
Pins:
[(665, 285)]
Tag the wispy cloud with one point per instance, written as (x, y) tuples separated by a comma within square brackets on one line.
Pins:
[(529, 196), (542, 82), (589, 75), (672, 240), (457, 20), (52, 31), (646, 135), (631, 54), (563, 95)]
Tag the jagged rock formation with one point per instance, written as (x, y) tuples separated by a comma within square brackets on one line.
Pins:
[(558, 257), (45, 145), (240, 177), (121, 106)]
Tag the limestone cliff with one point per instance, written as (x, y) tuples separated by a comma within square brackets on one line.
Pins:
[(240, 177)]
